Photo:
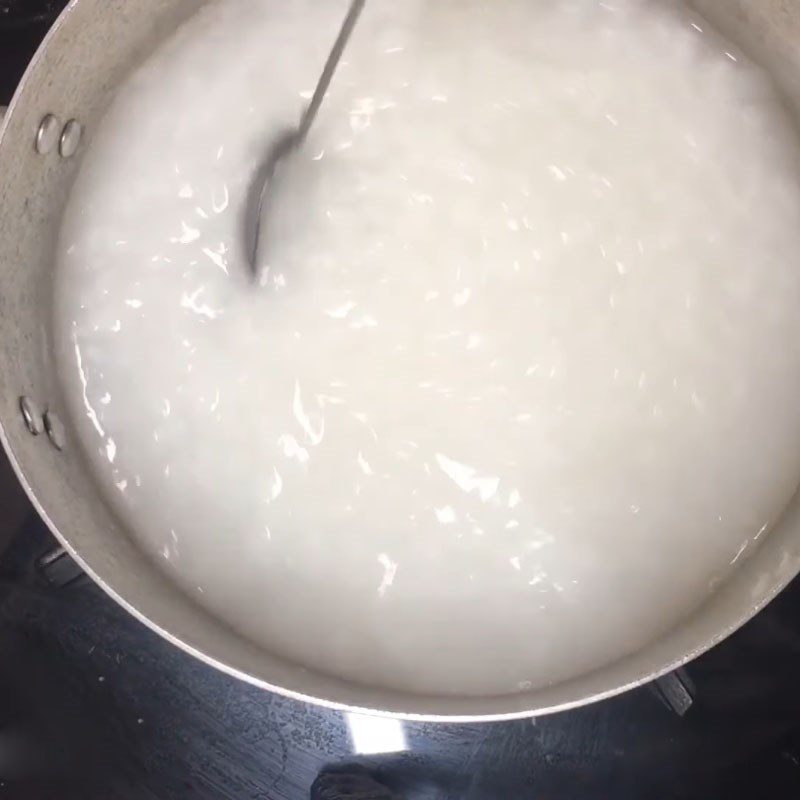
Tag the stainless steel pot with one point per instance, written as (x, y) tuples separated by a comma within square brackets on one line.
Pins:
[(91, 48)]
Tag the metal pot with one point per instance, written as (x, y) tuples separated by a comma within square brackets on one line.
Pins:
[(92, 47)]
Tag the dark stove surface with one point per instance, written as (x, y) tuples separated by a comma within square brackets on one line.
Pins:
[(94, 706), (24, 12)]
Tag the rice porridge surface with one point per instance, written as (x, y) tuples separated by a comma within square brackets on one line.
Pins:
[(519, 385)]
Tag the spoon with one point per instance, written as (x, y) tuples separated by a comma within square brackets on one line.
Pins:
[(290, 140)]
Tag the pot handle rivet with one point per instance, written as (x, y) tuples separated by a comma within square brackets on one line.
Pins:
[(55, 430), (70, 138), (31, 414), (48, 133)]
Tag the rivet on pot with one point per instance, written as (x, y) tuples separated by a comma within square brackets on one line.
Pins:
[(55, 430), (47, 135), (31, 415), (70, 138)]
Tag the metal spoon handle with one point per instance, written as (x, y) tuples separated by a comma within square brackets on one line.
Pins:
[(292, 139), (339, 45)]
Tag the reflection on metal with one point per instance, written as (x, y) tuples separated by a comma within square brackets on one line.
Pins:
[(70, 138), (372, 735), (48, 133), (55, 430), (31, 414)]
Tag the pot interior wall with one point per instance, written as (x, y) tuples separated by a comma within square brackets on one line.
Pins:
[(92, 48), (768, 31)]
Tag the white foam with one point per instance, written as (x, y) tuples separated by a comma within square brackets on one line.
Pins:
[(522, 380)]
